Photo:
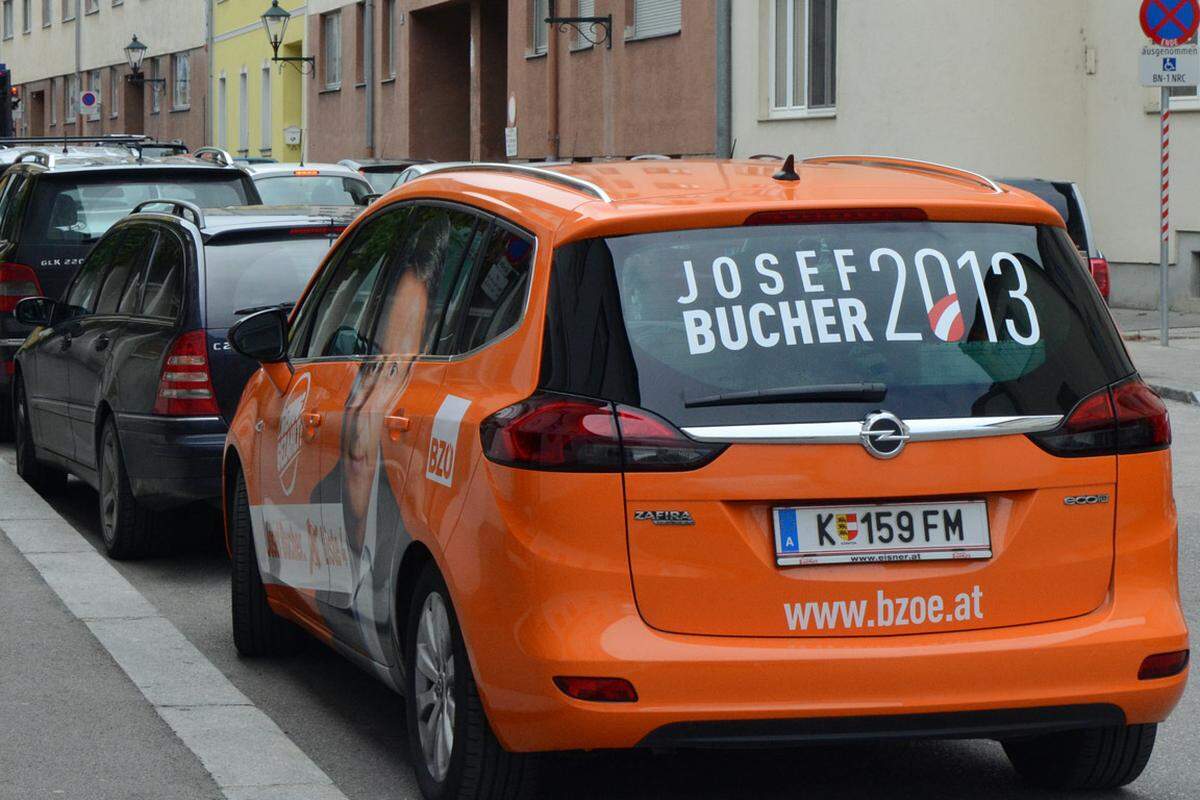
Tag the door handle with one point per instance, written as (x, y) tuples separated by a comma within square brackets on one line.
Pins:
[(397, 424), (102, 342), (312, 421)]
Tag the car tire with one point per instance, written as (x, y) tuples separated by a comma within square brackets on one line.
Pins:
[(126, 526), (257, 630), (8, 428), (473, 765), (1095, 758), (41, 476)]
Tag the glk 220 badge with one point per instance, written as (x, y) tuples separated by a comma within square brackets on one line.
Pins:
[(665, 517)]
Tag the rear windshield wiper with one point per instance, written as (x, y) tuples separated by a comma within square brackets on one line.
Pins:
[(241, 312), (817, 393)]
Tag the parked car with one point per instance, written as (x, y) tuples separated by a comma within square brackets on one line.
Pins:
[(604, 456), (381, 173), (129, 382), (310, 184), (1067, 200), (54, 207)]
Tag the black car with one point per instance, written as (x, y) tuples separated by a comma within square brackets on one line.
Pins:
[(129, 382), (54, 207)]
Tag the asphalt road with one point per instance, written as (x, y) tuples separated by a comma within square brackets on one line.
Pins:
[(352, 726)]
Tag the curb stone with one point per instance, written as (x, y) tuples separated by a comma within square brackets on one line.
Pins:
[(1189, 396)]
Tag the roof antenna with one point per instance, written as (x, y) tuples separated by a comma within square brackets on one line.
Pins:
[(788, 171)]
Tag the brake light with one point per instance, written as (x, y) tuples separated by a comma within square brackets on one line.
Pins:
[(185, 386), (573, 434), (1099, 270), (1163, 665), (819, 215), (1127, 417), (597, 690), (306, 173), (17, 282)]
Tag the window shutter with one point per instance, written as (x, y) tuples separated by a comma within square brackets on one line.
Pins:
[(656, 17)]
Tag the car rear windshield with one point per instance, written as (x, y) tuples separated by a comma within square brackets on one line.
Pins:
[(827, 322), (382, 179), (243, 275), (311, 190), (74, 209)]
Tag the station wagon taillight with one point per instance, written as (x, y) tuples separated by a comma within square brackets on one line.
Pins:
[(17, 282), (573, 434), (1127, 417), (185, 386)]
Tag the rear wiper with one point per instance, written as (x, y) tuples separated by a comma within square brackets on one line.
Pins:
[(817, 393), (241, 312)]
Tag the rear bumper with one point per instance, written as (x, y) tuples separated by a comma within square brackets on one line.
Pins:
[(172, 460)]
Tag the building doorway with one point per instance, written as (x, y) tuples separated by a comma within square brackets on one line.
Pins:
[(439, 83), (135, 114), (37, 113)]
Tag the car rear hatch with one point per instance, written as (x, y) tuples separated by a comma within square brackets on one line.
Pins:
[(962, 348), (251, 270)]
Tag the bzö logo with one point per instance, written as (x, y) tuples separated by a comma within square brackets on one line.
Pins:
[(287, 449), (945, 319), (443, 442)]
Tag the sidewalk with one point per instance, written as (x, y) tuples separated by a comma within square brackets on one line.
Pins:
[(1174, 371)]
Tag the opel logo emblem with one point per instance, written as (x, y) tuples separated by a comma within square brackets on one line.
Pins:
[(883, 434)]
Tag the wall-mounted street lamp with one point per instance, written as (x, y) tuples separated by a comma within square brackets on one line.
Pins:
[(595, 30), (275, 22), (135, 54)]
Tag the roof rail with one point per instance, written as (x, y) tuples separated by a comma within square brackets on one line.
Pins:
[(568, 181), (37, 157), (214, 154), (650, 157), (765, 157), (893, 162), (179, 208)]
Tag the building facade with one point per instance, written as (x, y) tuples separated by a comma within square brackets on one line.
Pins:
[(256, 101), (58, 48), (1016, 89)]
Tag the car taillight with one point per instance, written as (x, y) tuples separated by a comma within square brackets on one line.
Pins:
[(17, 282), (1099, 269), (573, 434), (1127, 417), (185, 387)]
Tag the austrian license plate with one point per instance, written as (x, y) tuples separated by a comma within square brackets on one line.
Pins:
[(867, 534)]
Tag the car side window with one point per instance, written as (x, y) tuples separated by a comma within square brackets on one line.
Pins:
[(81, 297), (341, 318), (12, 188), (162, 297), (437, 242), (493, 293), (129, 256)]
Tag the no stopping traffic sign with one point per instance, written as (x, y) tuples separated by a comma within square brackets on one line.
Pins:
[(1170, 22)]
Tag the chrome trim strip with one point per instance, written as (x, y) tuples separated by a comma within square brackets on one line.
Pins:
[(125, 415), (920, 430), (11, 342)]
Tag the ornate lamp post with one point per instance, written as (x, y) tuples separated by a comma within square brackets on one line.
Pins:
[(275, 21)]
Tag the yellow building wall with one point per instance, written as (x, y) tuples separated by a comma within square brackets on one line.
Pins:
[(240, 45)]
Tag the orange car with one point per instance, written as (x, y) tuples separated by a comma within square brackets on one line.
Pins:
[(707, 453)]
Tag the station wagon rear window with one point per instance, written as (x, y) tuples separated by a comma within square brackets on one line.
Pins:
[(77, 209), (925, 319)]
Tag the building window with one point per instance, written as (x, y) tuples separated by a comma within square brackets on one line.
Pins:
[(655, 18), (26, 15), (51, 100), (265, 122), (91, 6), (222, 113), (360, 24), (803, 55), (583, 8), (389, 38), (155, 88), (68, 8), (8, 19), (47, 13), (538, 30), (95, 84), (114, 92), (244, 114), (71, 100), (331, 47), (182, 94)]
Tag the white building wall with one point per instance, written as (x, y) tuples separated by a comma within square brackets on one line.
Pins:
[(1006, 89)]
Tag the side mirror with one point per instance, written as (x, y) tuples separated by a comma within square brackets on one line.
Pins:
[(262, 336), (38, 311)]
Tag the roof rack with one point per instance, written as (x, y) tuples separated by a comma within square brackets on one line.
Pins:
[(179, 208), (214, 154), (37, 157), (114, 138), (568, 181), (893, 162)]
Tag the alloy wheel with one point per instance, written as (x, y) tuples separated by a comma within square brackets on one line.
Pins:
[(434, 679), (108, 486)]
